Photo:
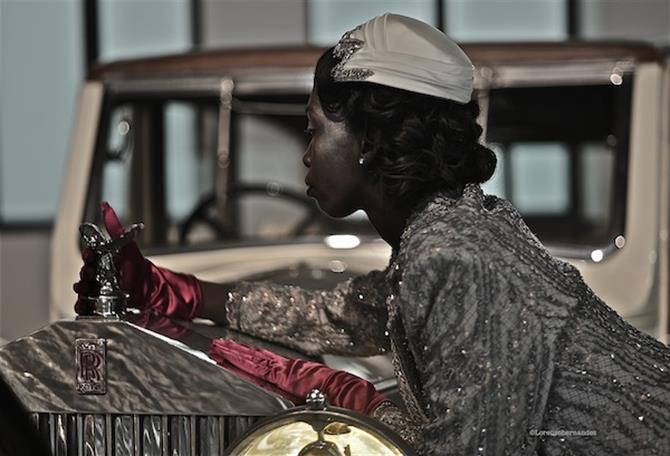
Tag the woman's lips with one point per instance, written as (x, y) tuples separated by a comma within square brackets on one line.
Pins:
[(310, 187)]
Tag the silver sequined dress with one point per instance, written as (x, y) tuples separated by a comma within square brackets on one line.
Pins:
[(499, 348)]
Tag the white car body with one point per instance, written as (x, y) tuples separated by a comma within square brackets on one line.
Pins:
[(630, 271)]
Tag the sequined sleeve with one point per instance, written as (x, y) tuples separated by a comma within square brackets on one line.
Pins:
[(349, 320), (485, 365)]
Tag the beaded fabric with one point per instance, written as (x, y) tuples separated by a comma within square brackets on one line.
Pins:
[(500, 347), (343, 50)]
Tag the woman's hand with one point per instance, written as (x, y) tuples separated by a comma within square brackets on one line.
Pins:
[(149, 286), (298, 377)]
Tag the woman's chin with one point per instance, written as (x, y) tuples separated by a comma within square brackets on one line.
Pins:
[(334, 211), (328, 206), (325, 207)]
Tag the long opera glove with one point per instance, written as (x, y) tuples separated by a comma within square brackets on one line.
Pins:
[(299, 377), (149, 286), (258, 381)]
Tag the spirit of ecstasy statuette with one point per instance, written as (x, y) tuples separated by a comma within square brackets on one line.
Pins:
[(111, 301)]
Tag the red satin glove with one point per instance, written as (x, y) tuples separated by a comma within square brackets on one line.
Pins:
[(298, 377), (150, 287)]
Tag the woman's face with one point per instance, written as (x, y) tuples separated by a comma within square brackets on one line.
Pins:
[(335, 178)]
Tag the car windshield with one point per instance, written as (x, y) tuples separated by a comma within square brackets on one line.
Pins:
[(562, 157)]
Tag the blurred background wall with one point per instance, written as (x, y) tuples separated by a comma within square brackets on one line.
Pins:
[(46, 47)]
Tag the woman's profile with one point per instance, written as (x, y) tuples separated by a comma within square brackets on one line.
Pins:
[(498, 347)]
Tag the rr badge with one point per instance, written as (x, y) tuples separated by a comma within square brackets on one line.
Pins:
[(91, 366)]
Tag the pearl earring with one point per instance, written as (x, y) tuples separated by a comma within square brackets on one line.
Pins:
[(361, 161)]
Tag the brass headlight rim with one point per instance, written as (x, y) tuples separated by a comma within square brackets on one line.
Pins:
[(325, 416)]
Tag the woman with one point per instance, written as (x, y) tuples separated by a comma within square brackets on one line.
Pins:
[(499, 348)]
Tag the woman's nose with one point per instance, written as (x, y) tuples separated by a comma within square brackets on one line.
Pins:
[(307, 156)]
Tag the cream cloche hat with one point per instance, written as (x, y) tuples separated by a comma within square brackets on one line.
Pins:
[(405, 53)]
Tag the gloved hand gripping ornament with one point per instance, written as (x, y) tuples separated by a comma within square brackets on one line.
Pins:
[(148, 287), (110, 300)]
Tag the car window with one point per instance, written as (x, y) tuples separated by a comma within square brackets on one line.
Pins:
[(159, 162), (562, 157)]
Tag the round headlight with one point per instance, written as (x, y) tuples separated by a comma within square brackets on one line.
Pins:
[(320, 430)]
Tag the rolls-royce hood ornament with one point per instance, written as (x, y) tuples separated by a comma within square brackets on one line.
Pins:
[(111, 301)]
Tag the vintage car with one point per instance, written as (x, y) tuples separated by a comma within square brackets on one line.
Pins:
[(205, 149)]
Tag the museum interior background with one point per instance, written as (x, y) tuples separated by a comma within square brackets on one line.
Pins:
[(46, 47)]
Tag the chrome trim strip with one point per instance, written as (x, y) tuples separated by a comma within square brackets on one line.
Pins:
[(60, 448), (136, 435), (180, 436), (80, 435), (165, 442), (210, 435), (79, 438), (159, 87), (551, 72), (52, 431), (583, 253), (151, 436), (108, 435), (193, 437), (123, 436)]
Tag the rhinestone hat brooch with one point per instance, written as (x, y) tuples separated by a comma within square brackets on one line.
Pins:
[(344, 49)]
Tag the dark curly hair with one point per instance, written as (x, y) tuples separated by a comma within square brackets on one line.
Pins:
[(416, 144)]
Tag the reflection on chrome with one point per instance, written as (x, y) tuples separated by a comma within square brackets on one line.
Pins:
[(597, 255), (287, 439), (342, 241), (274, 188), (123, 127), (620, 241), (337, 266), (616, 79)]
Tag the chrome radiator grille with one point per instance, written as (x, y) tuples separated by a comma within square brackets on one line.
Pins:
[(112, 388), (139, 435)]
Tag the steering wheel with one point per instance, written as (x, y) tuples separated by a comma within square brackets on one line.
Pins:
[(202, 212)]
